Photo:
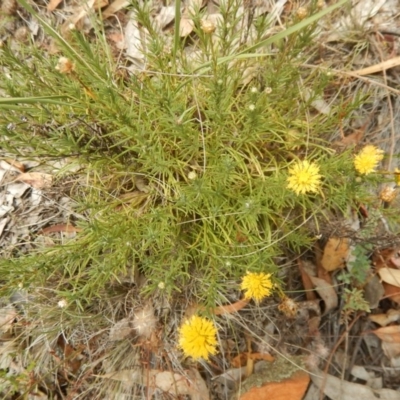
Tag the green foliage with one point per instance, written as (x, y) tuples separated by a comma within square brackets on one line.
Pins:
[(354, 301), (359, 266), (186, 164)]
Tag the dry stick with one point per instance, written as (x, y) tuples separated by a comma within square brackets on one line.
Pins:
[(392, 129), (353, 75), (328, 362), (380, 67), (355, 351)]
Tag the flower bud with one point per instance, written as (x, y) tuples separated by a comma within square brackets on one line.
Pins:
[(388, 194), (207, 26)]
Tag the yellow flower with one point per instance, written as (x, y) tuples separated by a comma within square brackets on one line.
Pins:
[(257, 285), (304, 177), (198, 337), (368, 159)]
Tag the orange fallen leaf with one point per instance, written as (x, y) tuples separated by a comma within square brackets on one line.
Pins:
[(390, 334), (335, 253), (385, 319), (292, 388), (117, 37), (37, 180), (390, 276), (392, 292), (307, 283), (72, 357), (351, 140), (231, 308), (53, 4), (16, 164)]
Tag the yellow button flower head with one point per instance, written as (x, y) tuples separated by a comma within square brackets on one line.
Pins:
[(368, 159), (198, 337), (257, 285), (304, 177), (388, 194)]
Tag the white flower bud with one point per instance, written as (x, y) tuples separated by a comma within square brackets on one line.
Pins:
[(192, 175)]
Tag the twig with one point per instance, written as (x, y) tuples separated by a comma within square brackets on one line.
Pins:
[(329, 360)]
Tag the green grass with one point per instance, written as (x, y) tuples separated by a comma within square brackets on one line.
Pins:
[(183, 168)]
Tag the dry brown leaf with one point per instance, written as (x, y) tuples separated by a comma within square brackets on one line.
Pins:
[(391, 350), (307, 282), (134, 376), (38, 180), (114, 7), (16, 164), (385, 319), (392, 292), (338, 389), (350, 140), (117, 38), (360, 372), (327, 293), (390, 275), (68, 228), (248, 74), (231, 308), (177, 384), (335, 253), (8, 166), (7, 317), (387, 263), (98, 4), (73, 358), (165, 16), (292, 388), (173, 383), (232, 375), (133, 40), (53, 4), (390, 334), (186, 26)]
